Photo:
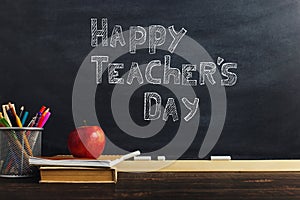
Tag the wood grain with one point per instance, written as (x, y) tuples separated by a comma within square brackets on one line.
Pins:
[(180, 185)]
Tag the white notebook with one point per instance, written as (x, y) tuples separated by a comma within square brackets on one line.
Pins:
[(80, 162)]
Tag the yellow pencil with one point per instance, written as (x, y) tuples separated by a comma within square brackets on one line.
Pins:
[(19, 123)]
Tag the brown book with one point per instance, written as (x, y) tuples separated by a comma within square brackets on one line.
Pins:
[(78, 175)]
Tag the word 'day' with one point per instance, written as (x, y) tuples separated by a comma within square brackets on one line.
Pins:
[(153, 111)]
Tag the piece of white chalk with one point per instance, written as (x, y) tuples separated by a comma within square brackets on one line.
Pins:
[(162, 158), (220, 157), (142, 158)]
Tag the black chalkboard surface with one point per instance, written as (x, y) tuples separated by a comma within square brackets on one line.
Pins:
[(46, 59)]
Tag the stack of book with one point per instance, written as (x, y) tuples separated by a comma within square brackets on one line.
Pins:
[(67, 169)]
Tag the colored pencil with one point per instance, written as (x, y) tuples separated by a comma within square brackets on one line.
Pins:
[(24, 118)]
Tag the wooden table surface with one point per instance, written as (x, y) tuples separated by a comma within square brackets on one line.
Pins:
[(182, 185)]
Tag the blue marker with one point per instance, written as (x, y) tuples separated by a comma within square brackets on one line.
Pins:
[(24, 118)]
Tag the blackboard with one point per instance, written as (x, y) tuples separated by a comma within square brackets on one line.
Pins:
[(43, 45)]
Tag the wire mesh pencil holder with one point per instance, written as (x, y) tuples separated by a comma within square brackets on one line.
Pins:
[(16, 146)]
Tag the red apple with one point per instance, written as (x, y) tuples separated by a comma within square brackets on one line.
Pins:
[(86, 142)]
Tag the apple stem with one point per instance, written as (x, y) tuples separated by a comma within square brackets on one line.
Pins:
[(85, 122)]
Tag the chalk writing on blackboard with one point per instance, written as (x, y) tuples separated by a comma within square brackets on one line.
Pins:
[(156, 37)]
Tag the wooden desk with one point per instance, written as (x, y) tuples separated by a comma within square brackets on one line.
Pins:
[(180, 185)]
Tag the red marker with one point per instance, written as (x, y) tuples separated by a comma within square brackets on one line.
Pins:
[(42, 109), (38, 116)]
